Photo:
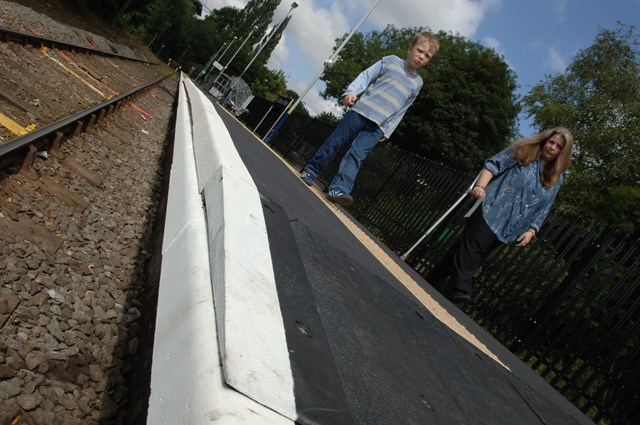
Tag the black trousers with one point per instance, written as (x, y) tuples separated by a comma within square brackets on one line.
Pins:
[(471, 251)]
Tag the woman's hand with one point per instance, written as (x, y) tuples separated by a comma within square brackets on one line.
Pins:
[(526, 238), (478, 192)]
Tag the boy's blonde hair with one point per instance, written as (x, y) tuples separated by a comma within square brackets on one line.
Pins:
[(427, 38)]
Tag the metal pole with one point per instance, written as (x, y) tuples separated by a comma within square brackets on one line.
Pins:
[(273, 31), (184, 53), (221, 56), (213, 56), (265, 116), (230, 43), (280, 116), (404, 256), (328, 63), (234, 55)]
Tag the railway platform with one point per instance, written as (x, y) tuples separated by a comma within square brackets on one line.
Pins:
[(284, 310)]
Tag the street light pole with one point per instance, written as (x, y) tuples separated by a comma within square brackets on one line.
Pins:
[(210, 62), (286, 114), (262, 45), (329, 62), (184, 53), (234, 55), (273, 31), (221, 56)]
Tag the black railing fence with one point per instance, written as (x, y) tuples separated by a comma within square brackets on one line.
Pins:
[(261, 114), (568, 305)]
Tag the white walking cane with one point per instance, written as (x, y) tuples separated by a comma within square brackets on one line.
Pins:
[(404, 256)]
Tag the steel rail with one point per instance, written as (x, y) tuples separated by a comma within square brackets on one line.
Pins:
[(18, 148), (7, 35)]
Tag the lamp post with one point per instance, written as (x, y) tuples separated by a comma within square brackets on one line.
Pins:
[(221, 56), (273, 31), (234, 55), (210, 62), (262, 45), (286, 114), (183, 53)]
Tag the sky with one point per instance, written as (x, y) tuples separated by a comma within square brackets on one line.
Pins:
[(537, 38)]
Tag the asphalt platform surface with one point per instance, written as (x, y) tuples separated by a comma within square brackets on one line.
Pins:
[(363, 349)]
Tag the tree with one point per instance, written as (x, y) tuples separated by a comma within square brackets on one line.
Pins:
[(170, 22), (467, 109), (206, 41), (258, 14), (229, 22), (270, 41), (270, 85), (598, 99), (328, 117)]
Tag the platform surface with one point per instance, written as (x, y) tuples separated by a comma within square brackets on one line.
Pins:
[(363, 349)]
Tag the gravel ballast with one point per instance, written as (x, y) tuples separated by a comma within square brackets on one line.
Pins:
[(77, 295)]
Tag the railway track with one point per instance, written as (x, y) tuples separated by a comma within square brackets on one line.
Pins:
[(43, 80), (83, 144)]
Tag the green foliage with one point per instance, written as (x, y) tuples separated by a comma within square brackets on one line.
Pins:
[(255, 16), (270, 85), (134, 23), (178, 33), (467, 108), (169, 22), (328, 117), (598, 99), (301, 108), (618, 207)]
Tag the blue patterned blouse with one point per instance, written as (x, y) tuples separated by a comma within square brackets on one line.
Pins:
[(515, 198)]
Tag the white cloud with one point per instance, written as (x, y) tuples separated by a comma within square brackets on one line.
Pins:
[(496, 45), (316, 25), (315, 30), (310, 36), (314, 102), (279, 56), (493, 43), (458, 16), (555, 61), (217, 4)]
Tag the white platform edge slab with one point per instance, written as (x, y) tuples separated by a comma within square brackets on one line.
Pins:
[(187, 383)]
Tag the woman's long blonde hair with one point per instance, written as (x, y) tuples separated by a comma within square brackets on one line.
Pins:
[(529, 149)]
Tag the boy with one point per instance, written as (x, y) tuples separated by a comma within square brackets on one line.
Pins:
[(388, 88)]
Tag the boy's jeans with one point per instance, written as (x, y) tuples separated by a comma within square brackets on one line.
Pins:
[(365, 135)]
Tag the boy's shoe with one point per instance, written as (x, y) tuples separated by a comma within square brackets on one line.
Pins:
[(306, 178), (339, 197)]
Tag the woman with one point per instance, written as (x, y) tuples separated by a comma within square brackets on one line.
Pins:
[(518, 187)]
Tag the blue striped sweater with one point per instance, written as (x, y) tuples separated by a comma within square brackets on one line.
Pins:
[(388, 89)]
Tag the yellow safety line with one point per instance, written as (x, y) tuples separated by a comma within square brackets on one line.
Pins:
[(44, 52), (14, 127), (87, 74)]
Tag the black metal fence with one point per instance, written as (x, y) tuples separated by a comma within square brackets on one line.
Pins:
[(261, 114), (568, 305)]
